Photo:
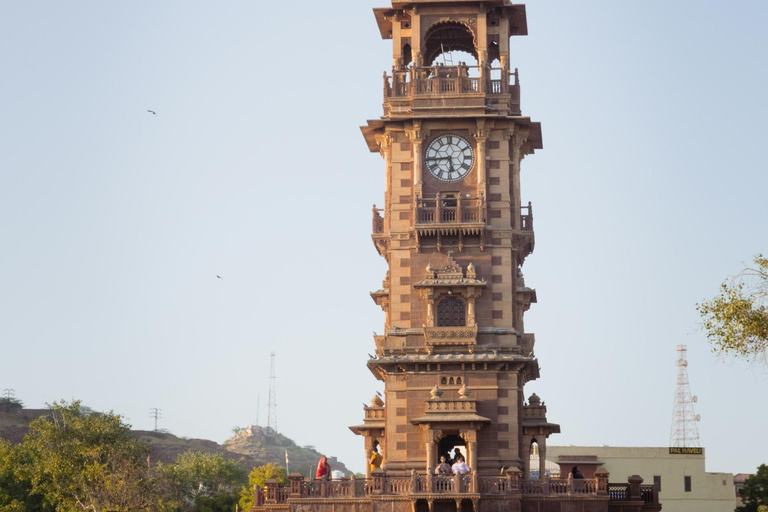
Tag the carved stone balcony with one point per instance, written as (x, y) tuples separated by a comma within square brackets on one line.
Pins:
[(471, 89), (436, 337), (459, 216)]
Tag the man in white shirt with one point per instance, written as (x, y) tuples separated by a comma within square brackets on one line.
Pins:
[(460, 467)]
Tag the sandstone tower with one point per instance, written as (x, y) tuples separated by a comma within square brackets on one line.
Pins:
[(454, 355), (455, 233)]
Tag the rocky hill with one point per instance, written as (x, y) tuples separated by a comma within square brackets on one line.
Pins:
[(251, 446), (267, 445)]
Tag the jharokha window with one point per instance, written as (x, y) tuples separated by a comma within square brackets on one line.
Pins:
[(451, 312)]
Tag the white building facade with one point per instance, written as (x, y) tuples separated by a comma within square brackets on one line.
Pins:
[(685, 485)]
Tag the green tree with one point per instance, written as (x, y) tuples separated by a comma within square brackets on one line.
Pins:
[(15, 491), (204, 481), (258, 476), (86, 461), (754, 494), (736, 321)]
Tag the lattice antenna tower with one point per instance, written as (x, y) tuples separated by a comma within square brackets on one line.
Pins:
[(272, 403), (684, 432)]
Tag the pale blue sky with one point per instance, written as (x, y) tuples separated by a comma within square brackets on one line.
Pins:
[(649, 191)]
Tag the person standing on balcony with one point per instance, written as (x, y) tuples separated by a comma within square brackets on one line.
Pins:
[(443, 469), (376, 457), (323, 469), (460, 467)]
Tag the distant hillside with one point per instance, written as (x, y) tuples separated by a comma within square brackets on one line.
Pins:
[(251, 446), (267, 445)]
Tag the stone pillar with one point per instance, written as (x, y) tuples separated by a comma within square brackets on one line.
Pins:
[(602, 481), (472, 449), (430, 311), (368, 448), (297, 484), (271, 485), (542, 457), (527, 457), (481, 156), (379, 481), (514, 475), (258, 495), (418, 158), (430, 452), (416, 36), (634, 487)]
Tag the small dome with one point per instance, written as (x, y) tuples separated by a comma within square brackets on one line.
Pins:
[(464, 392), (534, 399), (376, 401), (436, 392)]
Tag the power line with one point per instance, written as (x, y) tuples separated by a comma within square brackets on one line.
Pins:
[(155, 413)]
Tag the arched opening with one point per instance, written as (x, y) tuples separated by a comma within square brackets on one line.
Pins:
[(407, 55), (451, 312), (495, 70), (446, 37), (533, 460), (451, 447), (444, 381)]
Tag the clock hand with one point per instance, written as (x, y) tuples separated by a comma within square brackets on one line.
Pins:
[(437, 158)]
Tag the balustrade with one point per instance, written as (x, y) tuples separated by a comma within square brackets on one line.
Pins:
[(381, 484), (451, 210), (526, 217), (378, 220), (450, 80), (618, 492)]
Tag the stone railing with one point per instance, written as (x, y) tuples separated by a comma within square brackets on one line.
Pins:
[(450, 80), (378, 221), (526, 217), (451, 336), (380, 484), (454, 210)]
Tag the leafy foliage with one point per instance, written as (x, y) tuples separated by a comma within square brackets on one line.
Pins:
[(201, 480), (258, 476), (15, 492), (10, 400), (79, 461), (754, 494), (736, 321)]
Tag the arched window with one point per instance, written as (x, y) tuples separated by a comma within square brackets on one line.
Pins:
[(451, 312)]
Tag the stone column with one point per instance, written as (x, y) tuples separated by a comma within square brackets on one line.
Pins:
[(430, 452), (542, 457), (417, 168), (471, 311), (481, 138)]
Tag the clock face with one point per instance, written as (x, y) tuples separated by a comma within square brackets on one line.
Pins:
[(449, 157)]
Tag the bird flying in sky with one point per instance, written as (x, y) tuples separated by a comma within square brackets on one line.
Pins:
[(152, 112)]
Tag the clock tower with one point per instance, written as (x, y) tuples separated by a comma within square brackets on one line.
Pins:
[(455, 231), (454, 355)]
